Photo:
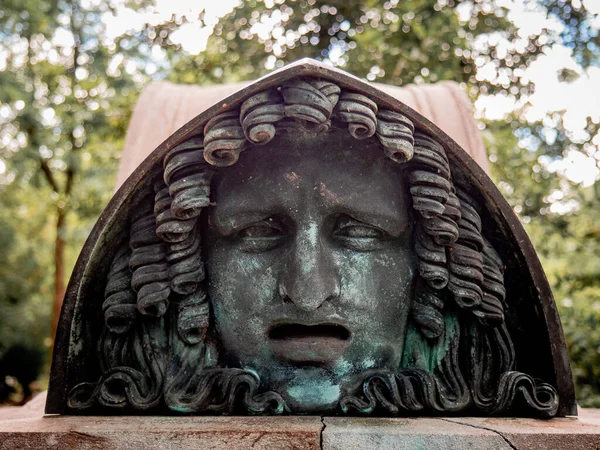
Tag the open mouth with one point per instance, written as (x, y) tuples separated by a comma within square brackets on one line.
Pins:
[(300, 344), (298, 331)]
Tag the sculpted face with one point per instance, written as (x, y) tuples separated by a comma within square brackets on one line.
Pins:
[(310, 264), (299, 299)]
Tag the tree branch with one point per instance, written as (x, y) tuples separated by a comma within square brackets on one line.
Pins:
[(76, 31), (69, 183), (49, 176)]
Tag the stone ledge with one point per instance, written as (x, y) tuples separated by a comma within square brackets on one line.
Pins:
[(232, 433), (27, 428), (564, 432), (422, 433), (459, 433), (154, 432)]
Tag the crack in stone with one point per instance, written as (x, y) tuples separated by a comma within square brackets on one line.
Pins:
[(260, 436), (481, 428), (322, 431)]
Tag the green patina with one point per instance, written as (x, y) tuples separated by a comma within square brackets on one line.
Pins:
[(311, 391), (427, 354)]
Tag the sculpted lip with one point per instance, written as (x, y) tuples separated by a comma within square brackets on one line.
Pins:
[(316, 344)]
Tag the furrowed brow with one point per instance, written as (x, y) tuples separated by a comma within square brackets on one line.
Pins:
[(393, 220)]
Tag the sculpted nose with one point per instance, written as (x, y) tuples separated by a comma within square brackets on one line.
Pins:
[(309, 278)]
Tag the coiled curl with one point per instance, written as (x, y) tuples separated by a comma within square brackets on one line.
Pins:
[(119, 306), (186, 270), (359, 112), (311, 102), (395, 131), (223, 139), (428, 175), (150, 271), (259, 114), (185, 267), (188, 178), (168, 227), (466, 260), (431, 259), (491, 310)]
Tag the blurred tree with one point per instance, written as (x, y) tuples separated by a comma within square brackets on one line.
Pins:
[(66, 96), (65, 106)]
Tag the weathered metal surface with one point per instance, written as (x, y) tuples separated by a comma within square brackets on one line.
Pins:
[(354, 261)]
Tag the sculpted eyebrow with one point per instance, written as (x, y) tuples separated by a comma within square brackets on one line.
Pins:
[(228, 222), (394, 224)]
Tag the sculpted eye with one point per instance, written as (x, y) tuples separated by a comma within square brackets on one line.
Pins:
[(359, 231), (260, 230), (359, 236), (261, 236)]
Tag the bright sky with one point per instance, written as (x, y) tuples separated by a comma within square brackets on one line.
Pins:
[(191, 36)]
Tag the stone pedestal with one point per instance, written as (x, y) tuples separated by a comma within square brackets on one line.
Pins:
[(459, 433), (27, 428), (152, 432)]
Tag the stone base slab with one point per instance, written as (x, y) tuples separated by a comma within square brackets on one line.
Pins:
[(232, 433), (459, 433), (27, 428), (153, 432)]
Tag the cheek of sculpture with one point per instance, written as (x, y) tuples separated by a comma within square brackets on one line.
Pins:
[(310, 265)]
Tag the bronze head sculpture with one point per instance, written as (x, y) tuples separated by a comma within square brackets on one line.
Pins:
[(307, 249)]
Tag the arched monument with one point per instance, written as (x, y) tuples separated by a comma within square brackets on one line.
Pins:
[(310, 245)]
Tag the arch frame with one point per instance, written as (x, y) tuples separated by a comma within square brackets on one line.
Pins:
[(547, 349)]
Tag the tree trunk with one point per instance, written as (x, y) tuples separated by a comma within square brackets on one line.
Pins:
[(59, 268)]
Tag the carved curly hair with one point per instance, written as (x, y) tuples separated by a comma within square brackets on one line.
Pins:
[(459, 300)]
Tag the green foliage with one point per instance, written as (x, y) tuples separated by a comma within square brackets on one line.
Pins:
[(569, 248), (63, 116), (23, 309), (25, 287)]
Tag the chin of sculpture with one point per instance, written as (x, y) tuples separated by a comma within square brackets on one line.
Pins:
[(311, 246)]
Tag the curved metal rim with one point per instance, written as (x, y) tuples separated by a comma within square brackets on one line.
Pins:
[(307, 67)]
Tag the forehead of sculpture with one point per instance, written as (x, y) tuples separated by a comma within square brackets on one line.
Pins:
[(328, 173)]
